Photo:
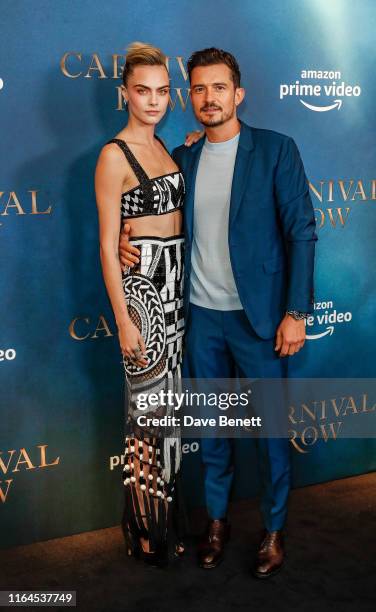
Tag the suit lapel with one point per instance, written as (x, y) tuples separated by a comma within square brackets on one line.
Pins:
[(243, 162), (194, 153)]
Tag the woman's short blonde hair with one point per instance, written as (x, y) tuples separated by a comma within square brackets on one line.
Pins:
[(142, 54)]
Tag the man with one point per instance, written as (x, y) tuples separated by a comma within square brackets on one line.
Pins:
[(245, 298)]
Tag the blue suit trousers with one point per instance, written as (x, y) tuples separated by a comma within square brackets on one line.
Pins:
[(223, 344)]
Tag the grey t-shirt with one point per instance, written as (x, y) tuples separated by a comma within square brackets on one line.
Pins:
[(212, 280)]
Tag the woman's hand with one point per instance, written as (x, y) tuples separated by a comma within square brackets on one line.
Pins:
[(193, 137), (132, 344)]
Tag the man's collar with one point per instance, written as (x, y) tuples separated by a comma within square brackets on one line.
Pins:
[(245, 139)]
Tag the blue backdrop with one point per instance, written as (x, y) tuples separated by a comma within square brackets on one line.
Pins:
[(308, 70)]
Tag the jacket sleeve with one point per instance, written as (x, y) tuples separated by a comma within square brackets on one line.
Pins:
[(298, 226)]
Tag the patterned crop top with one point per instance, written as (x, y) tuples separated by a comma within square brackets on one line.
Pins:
[(153, 196)]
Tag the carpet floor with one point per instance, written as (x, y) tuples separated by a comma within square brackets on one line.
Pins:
[(330, 565)]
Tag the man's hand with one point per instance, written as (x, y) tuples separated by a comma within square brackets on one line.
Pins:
[(193, 137), (128, 254), (290, 336)]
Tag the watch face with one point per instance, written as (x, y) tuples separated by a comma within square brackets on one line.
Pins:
[(297, 315)]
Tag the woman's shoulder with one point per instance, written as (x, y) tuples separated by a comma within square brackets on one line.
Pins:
[(111, 151), (112, 161)]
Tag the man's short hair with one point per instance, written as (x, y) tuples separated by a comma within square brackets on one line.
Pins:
[(211, 56)]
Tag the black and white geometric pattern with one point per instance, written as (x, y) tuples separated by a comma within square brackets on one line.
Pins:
[(132, 203), (143, 298), (153, 289), (168, 195), (154, 293), (153, 196)]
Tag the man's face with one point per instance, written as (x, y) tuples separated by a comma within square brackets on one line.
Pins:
[(213, 94)]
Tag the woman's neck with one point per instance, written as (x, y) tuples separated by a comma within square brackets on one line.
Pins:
[(138, 132)]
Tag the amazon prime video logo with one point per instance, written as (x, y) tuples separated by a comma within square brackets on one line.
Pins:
[(324, 320), (325, 89)]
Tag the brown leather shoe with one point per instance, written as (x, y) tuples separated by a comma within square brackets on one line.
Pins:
[(270, 555), (212, 545)]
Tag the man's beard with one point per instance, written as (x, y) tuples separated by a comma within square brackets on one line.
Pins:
[(214, 122)]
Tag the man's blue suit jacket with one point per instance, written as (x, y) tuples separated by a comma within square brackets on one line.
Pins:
[(271, 233)]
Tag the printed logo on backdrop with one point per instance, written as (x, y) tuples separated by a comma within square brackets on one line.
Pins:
[(324, 419), (84, 328), (16, 204), (7, 354), (326, 90), (74, 65), (15, 461), (29, 202), (325, 320), (339, 195)]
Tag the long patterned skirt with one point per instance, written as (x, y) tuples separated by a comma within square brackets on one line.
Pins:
[(153, 288)]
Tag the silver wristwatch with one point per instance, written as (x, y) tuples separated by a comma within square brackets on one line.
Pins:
[(298, 316)]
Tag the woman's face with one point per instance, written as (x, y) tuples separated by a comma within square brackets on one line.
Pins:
[(147, 93)]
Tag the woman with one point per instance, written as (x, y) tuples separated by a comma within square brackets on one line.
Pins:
[(136, 177)]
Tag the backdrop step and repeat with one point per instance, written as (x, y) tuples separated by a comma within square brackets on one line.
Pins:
[(308, 70)]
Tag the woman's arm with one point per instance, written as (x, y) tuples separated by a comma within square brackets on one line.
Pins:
[(109, 176)]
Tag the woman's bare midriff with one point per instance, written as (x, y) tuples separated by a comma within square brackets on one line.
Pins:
[(160, 226)]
